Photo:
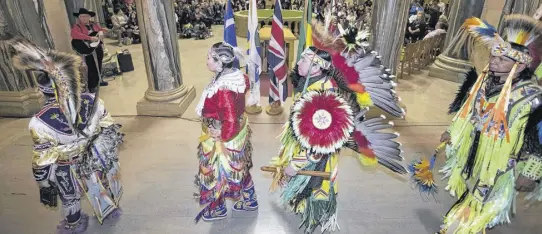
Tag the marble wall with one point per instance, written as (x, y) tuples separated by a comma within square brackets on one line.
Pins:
[(55, 11), (27, 17)]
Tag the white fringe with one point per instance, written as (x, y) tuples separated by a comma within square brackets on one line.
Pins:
[(332, 224)]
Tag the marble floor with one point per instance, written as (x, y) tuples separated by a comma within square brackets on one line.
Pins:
[(158, 164)]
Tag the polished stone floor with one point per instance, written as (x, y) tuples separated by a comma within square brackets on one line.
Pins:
[(158, 164)]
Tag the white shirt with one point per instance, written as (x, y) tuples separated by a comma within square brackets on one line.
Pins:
[(434, 33)]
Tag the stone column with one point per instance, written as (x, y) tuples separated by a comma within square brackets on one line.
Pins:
[(389, 21), (19, 96), (55, 11), (450, 67), (166, 95)]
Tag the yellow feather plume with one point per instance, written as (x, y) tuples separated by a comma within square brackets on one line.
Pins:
[(364, 99), (367, 161)]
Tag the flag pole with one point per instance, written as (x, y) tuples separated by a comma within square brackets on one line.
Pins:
[(253, 109), (275, 106)]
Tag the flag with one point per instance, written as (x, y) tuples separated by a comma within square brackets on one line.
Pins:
[(254, 59), (305, 32), (278, 85), (229, 29)]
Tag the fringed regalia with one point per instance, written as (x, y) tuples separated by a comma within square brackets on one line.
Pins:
[(75, 139), (494, 135), (225, 162), (329, 114)]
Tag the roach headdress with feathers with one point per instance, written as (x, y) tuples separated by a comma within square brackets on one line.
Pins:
[(519, 30), (61, 69)]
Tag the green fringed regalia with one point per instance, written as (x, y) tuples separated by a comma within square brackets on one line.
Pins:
[(484, 179)]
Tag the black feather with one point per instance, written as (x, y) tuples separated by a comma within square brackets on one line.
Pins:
[(463, 92), (531, 141)]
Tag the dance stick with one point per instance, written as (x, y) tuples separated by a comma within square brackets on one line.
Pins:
[(325, 175)]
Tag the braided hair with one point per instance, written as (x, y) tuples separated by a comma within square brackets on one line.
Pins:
[(223, 53)]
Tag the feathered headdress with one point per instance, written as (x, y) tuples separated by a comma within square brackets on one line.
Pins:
[(60, 67), (520, 31)]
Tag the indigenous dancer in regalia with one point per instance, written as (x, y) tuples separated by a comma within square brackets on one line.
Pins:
[(335, 82), (75, 140), (493, 144), (224, 151)]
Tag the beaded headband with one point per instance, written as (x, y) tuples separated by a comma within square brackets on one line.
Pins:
[(505, 49), (221, 55)]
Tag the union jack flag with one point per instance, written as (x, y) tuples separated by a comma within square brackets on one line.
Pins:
[(278, 88)]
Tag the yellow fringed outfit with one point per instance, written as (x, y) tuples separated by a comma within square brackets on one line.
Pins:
[(494, 135)]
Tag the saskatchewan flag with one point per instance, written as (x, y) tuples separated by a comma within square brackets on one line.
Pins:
[(305, 32)]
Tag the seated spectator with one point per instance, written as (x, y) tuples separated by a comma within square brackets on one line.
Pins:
[(417, 29), (119, 20), (441, 28), (416, 7)]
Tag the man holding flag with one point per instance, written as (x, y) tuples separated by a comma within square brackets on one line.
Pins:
[(254, 61), (278, 87)]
